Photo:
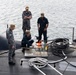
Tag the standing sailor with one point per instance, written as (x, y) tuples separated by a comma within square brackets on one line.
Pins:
[(26, 16), (11, 44), (42, 24)]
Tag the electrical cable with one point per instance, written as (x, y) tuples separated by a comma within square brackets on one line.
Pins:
[(71, 64), (65, 69)]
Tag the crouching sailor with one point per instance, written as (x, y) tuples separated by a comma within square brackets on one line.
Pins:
[(26, 41), (11, 44)]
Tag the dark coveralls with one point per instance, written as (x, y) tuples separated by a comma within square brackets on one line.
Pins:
[(26, 22), (42, 22), (11, 43), (26, 41)]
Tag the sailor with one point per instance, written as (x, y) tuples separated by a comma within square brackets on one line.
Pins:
[(26, 16), (26, 41), (11, 44), (42, 24)]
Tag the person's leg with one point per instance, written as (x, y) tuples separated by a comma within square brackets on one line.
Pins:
[(23, 47), (24, 27), (13, 53), (10, 58), (45, 36), (30, 43), (28, 25), (40, 35), (24, 30)]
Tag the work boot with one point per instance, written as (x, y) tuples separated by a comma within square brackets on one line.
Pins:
[(45, 41), (39, 41), (23, 50)]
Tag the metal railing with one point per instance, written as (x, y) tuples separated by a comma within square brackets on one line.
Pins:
[(72, 29)]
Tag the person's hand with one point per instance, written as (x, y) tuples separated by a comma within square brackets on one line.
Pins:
[(38, 28), (32, 46), (29, 17), (25, 17), (13, 47), (45, 29)]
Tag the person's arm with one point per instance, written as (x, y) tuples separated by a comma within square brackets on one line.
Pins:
[(47, 23), (38, 23), (23, 15), (24, 40), (10, 38), (30, 15), (29, 37)]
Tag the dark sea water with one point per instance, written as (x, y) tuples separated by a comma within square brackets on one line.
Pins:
[(60, 13)]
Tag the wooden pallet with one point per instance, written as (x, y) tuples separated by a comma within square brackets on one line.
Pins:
[(35, 53)]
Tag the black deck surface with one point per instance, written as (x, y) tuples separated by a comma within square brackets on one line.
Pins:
[(63, 67)]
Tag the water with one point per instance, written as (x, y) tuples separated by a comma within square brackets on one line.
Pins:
[(60, 13)]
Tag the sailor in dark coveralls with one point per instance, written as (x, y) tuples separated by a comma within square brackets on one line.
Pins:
[(11, 44), (42, 24), (26, 41), (26, 16)]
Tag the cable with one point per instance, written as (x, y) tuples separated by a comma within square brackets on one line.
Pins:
[(57, 61), (70, 63), (41, 63), (56, 46), (65, 69)]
